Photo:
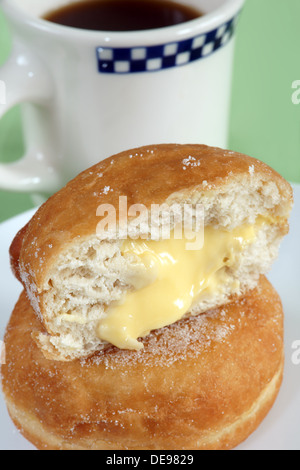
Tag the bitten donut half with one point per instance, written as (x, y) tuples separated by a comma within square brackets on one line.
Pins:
[(203, 383), (97, 274)]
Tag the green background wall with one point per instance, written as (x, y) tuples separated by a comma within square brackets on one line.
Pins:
[(264, 121)]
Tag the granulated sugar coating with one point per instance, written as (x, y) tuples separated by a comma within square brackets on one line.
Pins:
[(167, 345)]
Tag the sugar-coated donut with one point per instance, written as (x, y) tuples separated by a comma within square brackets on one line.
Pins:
[(205, 382), (75, 273)]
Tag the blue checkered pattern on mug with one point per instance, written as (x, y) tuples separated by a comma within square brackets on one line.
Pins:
[(154, 58)]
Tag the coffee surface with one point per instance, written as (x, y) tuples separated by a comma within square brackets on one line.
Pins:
[(122, 15)]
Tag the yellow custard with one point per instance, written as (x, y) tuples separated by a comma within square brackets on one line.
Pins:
[(179, 277)]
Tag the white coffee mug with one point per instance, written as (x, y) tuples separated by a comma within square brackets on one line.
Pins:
[(87, 94)]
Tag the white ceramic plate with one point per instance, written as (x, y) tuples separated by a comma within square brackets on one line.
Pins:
[(281, 429)]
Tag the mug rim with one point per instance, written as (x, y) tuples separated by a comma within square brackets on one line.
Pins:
[(203, 24)]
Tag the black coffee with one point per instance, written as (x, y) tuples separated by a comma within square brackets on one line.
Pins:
[(122, 15)]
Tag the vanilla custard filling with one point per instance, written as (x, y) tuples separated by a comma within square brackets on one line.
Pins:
[(176, 279)]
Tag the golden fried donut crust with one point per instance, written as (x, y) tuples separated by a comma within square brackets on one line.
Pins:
[(147, 175), (203, 383)]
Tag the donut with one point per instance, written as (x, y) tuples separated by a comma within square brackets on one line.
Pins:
[(95, 281), (203, 383)]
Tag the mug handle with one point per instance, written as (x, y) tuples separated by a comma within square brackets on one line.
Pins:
[(23, 78)]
